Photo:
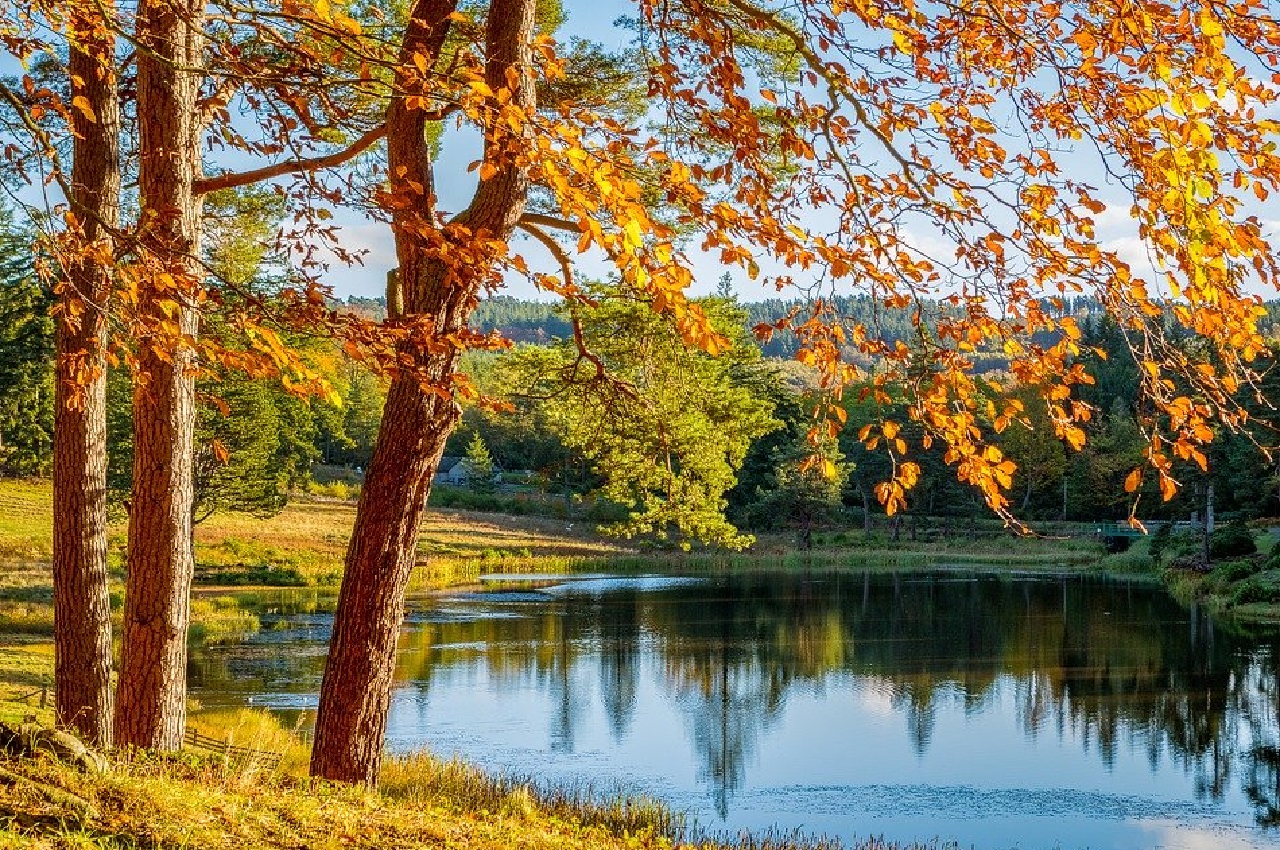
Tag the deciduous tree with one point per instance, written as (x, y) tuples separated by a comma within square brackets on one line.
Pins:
[(665, 427)]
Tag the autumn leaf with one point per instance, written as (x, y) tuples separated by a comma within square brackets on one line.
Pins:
[(81, 103)]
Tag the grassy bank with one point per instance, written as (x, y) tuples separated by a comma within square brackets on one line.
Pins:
[(205, 802)]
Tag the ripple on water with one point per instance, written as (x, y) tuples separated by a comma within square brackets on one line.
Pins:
[(964, 802)]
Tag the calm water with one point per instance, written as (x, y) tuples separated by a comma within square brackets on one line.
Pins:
[(998, 712)]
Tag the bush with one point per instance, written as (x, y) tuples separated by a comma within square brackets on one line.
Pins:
[(1116, 543), (1184, 545), (1255, 590), (1134, 560), (1160, 541), (467, 500), (1226, 574), (605, 511), (1232, 540), (339, 490)]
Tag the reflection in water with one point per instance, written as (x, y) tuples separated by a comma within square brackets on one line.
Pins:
[(976, 707)]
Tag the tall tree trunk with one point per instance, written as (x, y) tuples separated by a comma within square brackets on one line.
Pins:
[(81, 604), (356, 692), (151, 697)]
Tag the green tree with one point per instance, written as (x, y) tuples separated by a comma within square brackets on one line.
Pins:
[(479, 463), (665, 427), (26, 350), (1040, 455), (254, 442), (805, 493)]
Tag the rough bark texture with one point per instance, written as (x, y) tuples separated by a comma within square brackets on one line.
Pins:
[(151, 697), (356, 693), (81, 605)]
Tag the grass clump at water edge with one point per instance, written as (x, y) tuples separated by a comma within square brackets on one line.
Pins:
[(207, 801)]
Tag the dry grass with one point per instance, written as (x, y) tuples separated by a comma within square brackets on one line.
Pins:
[(147, 801), (26, 521), (306, 543)]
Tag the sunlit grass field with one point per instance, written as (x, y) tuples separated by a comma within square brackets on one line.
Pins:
[(305, 544)]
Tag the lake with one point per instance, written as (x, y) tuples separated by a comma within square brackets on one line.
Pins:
[(996, 711)]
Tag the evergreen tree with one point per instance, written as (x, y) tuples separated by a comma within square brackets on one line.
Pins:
[(479, 463), (26, 352), (806, 488)]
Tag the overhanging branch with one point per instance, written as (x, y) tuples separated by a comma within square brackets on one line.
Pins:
[(542, 220), (244, 178)]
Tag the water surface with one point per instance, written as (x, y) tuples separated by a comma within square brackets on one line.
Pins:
[(996, 711)]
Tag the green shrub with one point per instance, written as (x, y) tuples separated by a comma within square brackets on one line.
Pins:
[(1232, 540), (1255, 590), (463, 499), (1159, 542), (1228, 573), (1184, 544), (1134, 560), (604, 511)]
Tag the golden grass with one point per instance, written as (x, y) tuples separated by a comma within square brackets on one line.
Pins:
[(26, 521), (206, 804)]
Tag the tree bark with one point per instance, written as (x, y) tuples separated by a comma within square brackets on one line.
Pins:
[(356, 692), (151, 696), (81, 603)]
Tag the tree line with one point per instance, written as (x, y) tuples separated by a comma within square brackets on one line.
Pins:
[(256, 443)]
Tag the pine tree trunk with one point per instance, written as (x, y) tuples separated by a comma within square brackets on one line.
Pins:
[(356, 692), (81, 603), (151, 697)]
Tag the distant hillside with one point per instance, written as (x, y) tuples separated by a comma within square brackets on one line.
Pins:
[(542, 321), (522, 321)]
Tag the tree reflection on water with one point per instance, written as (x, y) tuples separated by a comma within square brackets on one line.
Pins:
[(1117, 665)]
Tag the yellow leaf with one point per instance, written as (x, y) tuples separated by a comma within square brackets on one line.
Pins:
[(1134, 481), (81, 103), (1210, 26)]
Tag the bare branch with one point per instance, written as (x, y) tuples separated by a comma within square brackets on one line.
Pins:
[(541, 220), (556, 249), (233, 180)]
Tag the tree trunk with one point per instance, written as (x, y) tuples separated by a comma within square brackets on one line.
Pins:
[(81, 603), (151, 697), (356, 692)]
